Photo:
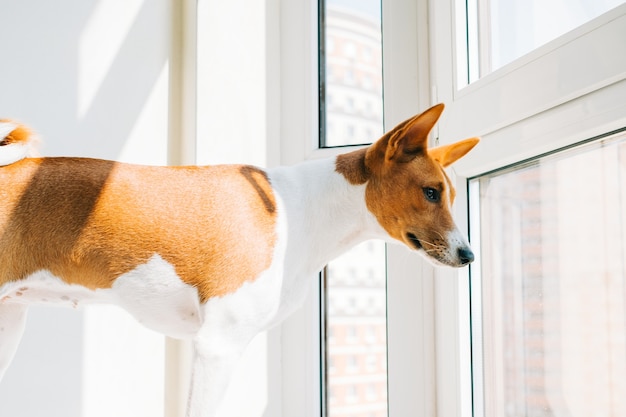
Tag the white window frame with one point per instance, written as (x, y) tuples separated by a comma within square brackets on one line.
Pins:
[(544, 109), (411, 348)]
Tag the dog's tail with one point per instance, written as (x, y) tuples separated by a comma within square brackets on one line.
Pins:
[(16, 142)]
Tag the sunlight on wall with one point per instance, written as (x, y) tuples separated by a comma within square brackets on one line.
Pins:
[(105, 31), (143, 145)]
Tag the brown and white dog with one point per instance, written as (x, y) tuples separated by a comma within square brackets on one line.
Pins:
[(214, 254)]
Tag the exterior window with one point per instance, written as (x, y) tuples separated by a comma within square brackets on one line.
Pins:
[(356, 355), (350, 50), (549, 300), (509, 29)]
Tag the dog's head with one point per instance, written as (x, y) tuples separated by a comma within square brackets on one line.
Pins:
[(408, 191)]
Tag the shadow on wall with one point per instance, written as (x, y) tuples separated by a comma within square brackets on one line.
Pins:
[(81, 72)]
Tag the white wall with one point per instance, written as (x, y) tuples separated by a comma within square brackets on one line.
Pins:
[(92, 77), (110, 79)]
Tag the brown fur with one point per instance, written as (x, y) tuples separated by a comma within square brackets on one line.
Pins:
[(89, 221), (352, 166)]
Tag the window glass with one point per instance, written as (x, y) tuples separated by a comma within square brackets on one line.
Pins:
[(354, 312), (355, 322), (549, 290), (508, 29), (351, 92)]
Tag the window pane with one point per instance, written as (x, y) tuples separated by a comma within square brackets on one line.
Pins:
[(513, 28), (356, 333), (351, 94), (552, 335)]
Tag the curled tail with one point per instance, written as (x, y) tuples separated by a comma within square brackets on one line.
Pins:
[(16, 142)]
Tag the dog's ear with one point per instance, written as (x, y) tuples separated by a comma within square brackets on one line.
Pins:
[(448, 154), (410, 138)]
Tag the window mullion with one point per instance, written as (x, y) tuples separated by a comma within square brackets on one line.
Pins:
[(410, 286), (411, 336)]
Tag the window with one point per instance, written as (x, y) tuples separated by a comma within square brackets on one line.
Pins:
[(359, 333), (504, 30), (351, 50), (354, 286), (549, 300), (513, 352)]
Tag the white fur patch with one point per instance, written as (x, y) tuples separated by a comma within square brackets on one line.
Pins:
[(152, 293), (44, 288), (158, 299), (13, 153)]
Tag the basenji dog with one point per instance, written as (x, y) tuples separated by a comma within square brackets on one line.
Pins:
[(214, 254)]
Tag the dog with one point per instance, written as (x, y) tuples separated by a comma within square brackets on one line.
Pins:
[(214, 254)]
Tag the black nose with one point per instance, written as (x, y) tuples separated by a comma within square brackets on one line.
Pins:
[(466, 255)]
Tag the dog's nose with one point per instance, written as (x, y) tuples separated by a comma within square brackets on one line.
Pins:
[(466, 255)]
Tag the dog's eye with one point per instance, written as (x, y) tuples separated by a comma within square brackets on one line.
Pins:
[(433, 195)]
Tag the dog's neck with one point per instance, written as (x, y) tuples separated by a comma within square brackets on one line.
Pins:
[(327, 215)]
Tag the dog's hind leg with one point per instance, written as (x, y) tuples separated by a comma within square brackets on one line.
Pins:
[(211, 374), (218, 347), (12, 321)]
